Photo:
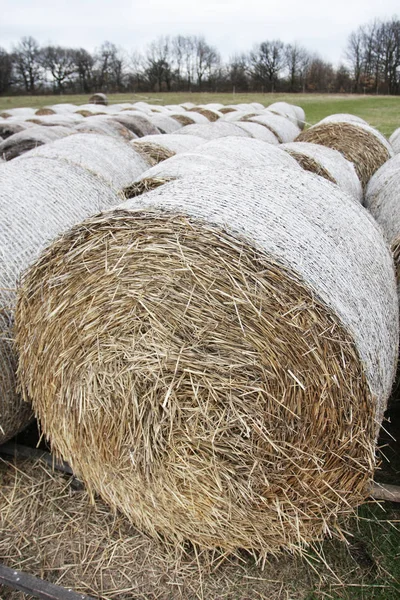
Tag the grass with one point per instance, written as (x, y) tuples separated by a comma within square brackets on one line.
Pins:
[(382, 112)]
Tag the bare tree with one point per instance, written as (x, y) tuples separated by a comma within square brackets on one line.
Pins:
[(158, 67), (84, 63), (268, 60), (60, 62), (238, 72), (27, 64), (6, 66), (296, 60), (110, 64)]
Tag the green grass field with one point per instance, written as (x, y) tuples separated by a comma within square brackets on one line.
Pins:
[(382, 112)]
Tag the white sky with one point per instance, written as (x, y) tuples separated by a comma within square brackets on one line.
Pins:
[(231, 25)]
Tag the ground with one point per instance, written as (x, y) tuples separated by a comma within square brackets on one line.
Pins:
[(382, 112)]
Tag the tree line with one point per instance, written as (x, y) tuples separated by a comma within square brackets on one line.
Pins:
[(190, 63)]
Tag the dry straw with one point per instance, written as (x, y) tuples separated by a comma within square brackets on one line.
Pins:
[(98, 99), (218, 355), (21, 142), (39, 199), (183, 119), (360, 144), (152, 152), (327, 163), (211, 115)]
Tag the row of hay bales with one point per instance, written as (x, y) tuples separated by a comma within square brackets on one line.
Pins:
[(213, 355)]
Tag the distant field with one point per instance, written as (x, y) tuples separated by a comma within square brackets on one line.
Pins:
[(382, 112)]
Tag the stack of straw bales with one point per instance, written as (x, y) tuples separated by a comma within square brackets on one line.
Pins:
[(359, 143), (214, 357), (327, 163)]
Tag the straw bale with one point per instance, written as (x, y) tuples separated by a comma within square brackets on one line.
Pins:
[(21, 113), (63, 108), (183, 119), (248, 152), (285, 130), (165, 124), (173, 142), (382, 198), (258, 131), (295, 114), (91, 109), (143, 106), (343, 118), (227, 109), (239, 115), (110, 158), (327, 163), (362, 145), (216, 106), (197, 118), (395, 141), (21, 142), (219, 353), (105, 125), (138, 124), (185, 105), (9, 128), (213, 130), (98, 98), (152, 152), (44, 111), (39, 199), (211, 115), (257, 105), (65, 120)]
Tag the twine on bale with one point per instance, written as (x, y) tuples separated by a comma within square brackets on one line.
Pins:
[(357, 142), (395, 141), (199, 374)]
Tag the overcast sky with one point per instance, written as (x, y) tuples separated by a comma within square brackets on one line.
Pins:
[(231, 25)]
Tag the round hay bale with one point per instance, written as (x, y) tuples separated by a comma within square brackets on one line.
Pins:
[(213, 130), (211, 115), (258, 131), (21, 113), (197, 118), (108, 157), (165, 124), (44, 111), (216, 106), (87, 110), (138, 124), (185, 105), (382, 198), (182, 119), (98, 98), (234, 345), (257, 105), (21, 142), (171, 141), (63, 108), (64, 120), (227, 109), (152, 152), (285, 130), (287, 110), (327, 163), (358, 143), (395, 141), (9, 128), (248, 152), (40, 198), (343, 118), (104, 125), (239, 115)]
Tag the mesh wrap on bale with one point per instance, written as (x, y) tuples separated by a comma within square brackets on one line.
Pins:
[(219, 353), (395, 141), (98, 98), (258, 131), (328, 163), (211, 115), (171, 141), (8, 128), (165, 124), (39, 198), (138, 124), (110, 158), (213, 130), (294, 113), (283, 128), (343, 118), (21, 142), (105, 125), (362, 145), (382, 198)]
